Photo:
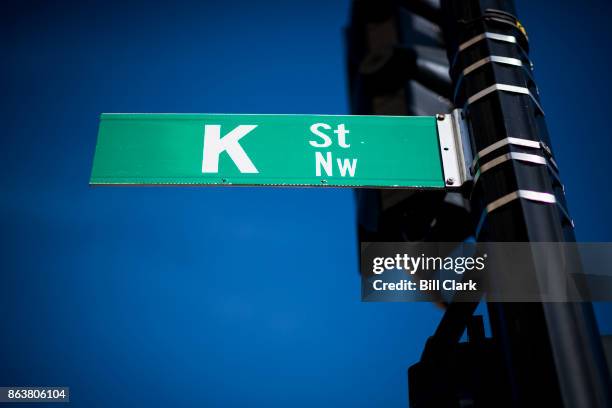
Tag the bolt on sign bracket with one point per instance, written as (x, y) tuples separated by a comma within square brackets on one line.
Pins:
[(455, 148)]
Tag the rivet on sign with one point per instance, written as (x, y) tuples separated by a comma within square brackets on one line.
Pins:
[(324, 181), (440, 116), (450, 181)]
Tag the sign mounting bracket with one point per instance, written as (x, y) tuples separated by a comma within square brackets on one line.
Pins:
[(455, 148)]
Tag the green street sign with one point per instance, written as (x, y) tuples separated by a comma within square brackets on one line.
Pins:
[(268, 150)]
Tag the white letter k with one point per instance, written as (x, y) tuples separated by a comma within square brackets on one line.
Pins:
[(214, 145)]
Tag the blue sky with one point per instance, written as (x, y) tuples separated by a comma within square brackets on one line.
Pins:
[(222, 297)]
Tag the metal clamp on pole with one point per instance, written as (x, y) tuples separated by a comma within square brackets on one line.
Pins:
[(505, 88), (455, 148)]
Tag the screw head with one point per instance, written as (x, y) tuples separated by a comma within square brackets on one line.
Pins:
[(450, 181), (440, 116)]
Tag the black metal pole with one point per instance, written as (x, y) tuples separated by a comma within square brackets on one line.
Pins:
[(552, 353)]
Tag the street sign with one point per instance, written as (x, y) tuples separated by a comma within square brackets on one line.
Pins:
[(268, 150)]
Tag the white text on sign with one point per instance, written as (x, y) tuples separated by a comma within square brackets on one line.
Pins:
[(215, 145), (325, 162)]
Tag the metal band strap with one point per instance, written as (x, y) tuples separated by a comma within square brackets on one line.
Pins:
[(530, 195), (548, 152), (501, 143), (526, 194), (493, 58), (493, 36), (506, 88), (487, 35), (525, 157), (489, 60), (550, 162), (480, 37)]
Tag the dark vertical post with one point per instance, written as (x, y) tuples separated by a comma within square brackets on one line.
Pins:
[(551, 353)]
